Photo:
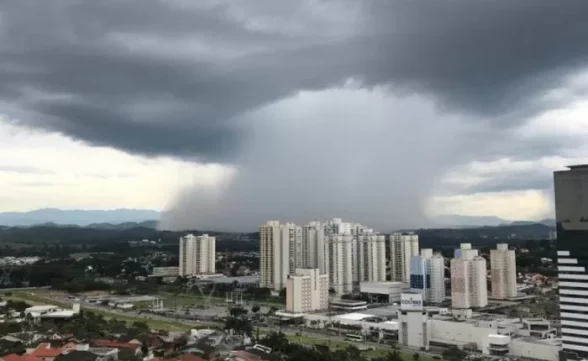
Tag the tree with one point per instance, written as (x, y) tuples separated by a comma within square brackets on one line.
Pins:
[(272, 310), (416, 356), (255, 308), (238, 311), (393, 356), (454, 354), (277, 341), (142, 326)]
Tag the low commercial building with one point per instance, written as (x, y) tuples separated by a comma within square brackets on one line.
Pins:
[(366, 322), (483, 333), (535, 348), (347, 305), (165, 272), (239, 281), (51, 312), (383, 292)]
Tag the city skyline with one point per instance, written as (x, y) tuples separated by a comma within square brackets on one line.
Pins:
[(103, 109)]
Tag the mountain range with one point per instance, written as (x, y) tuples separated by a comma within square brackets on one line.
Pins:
[(461, 221), (77, 217), (129, 218)]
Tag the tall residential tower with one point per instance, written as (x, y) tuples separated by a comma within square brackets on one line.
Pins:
[(503, 272), (280, 253), (427, 276), (197, 255), (403, 246), (469, 286)]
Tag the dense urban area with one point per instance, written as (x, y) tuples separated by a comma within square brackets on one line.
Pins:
[(326, 290)]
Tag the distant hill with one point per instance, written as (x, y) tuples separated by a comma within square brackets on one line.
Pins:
[(458, 221), (461, 221), (125, 225), (76, 217), (487, 235)]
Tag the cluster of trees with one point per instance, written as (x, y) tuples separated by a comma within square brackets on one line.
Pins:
[(95, 236), (239, 322), (76, 275), (482, 236), (530, 261)]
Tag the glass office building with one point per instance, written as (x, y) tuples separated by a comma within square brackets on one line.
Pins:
[(571, 211)]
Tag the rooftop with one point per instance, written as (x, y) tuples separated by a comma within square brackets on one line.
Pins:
[(354, 316), (239, 279)]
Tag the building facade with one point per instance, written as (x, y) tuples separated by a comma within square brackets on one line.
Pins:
[(306, 291), (503, 272), (427, 276), (197, 255), (314, 248), (403, 246), (371, 256), (571, 212), (469, 285), (339, 263), (280, 253)]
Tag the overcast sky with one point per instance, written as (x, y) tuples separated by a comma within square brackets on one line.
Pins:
[(228, 113)]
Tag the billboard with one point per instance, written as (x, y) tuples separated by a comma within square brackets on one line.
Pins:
[(411, 302)]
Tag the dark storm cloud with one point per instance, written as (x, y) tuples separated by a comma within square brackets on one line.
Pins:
[(435, 84), (484, 57)]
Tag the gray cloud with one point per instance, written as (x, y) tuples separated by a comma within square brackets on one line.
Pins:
[(486, 57), (198, 79)]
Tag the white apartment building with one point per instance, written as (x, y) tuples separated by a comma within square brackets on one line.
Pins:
[(468, 279), (503, 272), (427, 276), (348, 253), (314, 246), (403, 246), (339, 263), (306, 291), (280, 253), (197, 255), (371, 258), (337, 226)]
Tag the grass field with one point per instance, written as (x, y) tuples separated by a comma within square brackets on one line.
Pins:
[(332, 344), (184, 299)]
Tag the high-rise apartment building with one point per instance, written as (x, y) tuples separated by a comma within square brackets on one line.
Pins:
[(339, 263), (427, 276), (403, 246), (571, 213), (503, 272), (469, 285), (348, 253), (280, 253), (371, 256), (197, 255), (306, 291), (314, 246)]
